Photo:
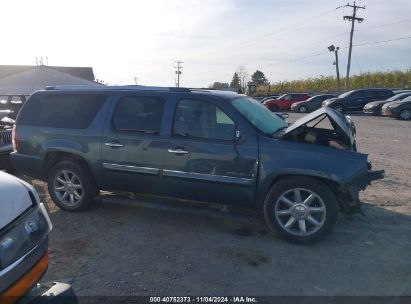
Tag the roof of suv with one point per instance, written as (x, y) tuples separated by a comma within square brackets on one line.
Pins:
[(139, 88)]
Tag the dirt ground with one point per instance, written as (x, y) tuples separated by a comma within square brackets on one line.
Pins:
[(129, 250)]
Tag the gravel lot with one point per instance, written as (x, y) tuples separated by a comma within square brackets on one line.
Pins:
[(129, 250)]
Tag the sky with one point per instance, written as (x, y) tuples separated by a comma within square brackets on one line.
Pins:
[(127, 39)]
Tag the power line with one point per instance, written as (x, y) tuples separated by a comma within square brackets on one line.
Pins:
[(383, 41), (286, 30), (352, 19)]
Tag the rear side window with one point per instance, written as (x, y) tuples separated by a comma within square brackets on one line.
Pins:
[(71, 111), (139, 114)]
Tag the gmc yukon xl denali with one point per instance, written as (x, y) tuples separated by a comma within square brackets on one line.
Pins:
[(197, 145)]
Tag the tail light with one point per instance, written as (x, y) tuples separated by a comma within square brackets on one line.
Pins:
[(15, 139)]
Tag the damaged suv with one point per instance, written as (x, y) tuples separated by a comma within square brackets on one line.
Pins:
[(197, 145)]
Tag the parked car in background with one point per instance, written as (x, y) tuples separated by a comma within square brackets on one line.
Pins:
[(375, 107), (398, 109), (24, 229), (285, 101), (197, 145), (269, 97), (12, 103), (357, 99), (6, 147), (311, 104)]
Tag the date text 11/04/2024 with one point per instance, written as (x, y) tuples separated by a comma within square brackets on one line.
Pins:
[(239, 299)]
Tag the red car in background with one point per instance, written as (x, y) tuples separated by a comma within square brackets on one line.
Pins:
[(285, 101)]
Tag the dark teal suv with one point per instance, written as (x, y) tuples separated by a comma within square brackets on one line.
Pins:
[(198, 145)]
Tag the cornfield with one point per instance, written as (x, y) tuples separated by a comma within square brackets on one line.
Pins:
[(388, 79)]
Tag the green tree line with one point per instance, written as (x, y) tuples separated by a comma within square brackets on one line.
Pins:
[(384, 79)]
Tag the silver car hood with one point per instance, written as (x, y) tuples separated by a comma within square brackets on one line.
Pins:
[(14, 198)]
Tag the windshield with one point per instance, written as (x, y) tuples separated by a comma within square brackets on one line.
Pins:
[(256, 113), (345, 94)]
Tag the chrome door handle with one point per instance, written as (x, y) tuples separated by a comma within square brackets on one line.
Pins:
[(114, 145), (178, 151)]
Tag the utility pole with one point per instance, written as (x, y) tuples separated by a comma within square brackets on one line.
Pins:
[(178, 72), (335, 49), (352, 18)]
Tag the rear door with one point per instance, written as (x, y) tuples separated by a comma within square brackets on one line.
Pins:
[(131, 144), (203, 160)]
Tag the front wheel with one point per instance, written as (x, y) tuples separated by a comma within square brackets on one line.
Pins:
[(71, 186), (302, 109), (302, 209)]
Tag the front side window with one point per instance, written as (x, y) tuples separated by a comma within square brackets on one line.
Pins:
[(139, 114), (203, 120)]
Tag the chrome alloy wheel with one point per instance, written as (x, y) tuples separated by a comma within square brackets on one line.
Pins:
[(300, 212), (68, 188)]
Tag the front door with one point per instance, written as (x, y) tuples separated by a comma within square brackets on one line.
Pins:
[(206, 158), (131, 146)]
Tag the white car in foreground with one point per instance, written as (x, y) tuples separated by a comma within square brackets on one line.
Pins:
[(24, 229)]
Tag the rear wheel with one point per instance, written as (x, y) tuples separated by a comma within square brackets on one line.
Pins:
[(405, 114), (71, 186), (302, 109), (303, 210)]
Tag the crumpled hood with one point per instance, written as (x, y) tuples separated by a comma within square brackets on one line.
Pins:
[(342, 124), (14, 198)]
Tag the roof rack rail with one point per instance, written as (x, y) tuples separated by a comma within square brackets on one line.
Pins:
[(105, 88)]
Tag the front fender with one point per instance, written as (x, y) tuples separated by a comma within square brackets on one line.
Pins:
[(280, 158)]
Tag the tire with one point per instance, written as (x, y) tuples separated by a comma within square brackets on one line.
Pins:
[(76, 187), (339, 108), (274, 108), (284, 215), (405, 114), (302, 109)]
